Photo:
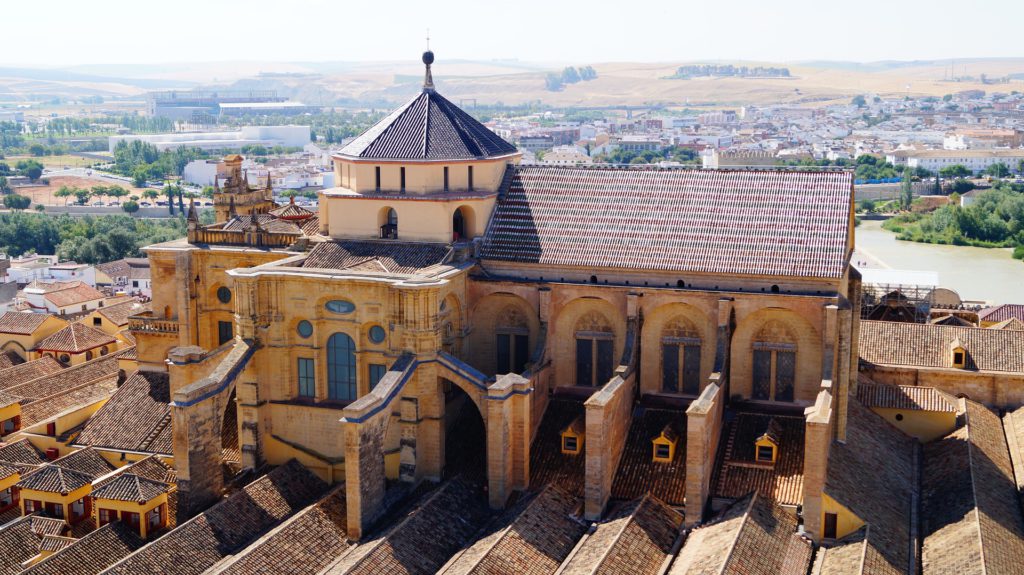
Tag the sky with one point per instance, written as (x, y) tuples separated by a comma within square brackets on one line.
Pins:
[(56, 33)]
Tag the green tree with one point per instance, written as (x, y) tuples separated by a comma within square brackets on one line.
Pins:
[(867, 206), (40, 208), (130, 207), (947, 97), (998, 170), (907, 189), (1020, 166), (5, 188), (859, 101), (30, 168), (37, 150), (17, 202), (139, 177), (955, 171), (171, 191), (150, 194), (82, 196), (64, 192)]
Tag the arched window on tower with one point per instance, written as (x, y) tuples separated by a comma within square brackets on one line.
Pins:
[(774, 374), (389, 226), (595, 350), (680, 358), (512, 341), (341, 367)]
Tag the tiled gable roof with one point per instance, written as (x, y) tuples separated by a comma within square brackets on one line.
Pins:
[(306, 542), (134, 418), (18, 543), (28, 371), (533, 537), (291, 211), (55, 479), (752, 537), (130, 487), (637, 538), (1002, 312), (883, 498), (91, 554), (387, 256), (87, 461), (425, 539), (54, 543), (547, 462), (1012, 323), (972, 518), (638, 474), (927, 345), (428, 127), (21, 323), (118, 314), (909, 397), (75, 338), (115, 269), (81, 396), (154, 469), (199, 543), (268, 222), (74, 295), (21, 451), (740, 473), (773, 223), (66, 379), (9, 359), (43, 526)]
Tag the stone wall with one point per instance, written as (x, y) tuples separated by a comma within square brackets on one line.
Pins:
[(1004, 390), (703, 433), (609, 413), (817, 444)]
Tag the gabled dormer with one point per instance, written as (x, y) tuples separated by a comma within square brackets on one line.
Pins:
[(573, 436), (957, 354), (663, 447), (766, 446)]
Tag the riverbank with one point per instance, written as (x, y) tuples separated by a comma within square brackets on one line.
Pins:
[(988, 274)]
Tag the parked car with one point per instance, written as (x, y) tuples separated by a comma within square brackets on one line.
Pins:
[(145, 204)]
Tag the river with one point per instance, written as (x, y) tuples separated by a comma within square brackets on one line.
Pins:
[(975, 273)]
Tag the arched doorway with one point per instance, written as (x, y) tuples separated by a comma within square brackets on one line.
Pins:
[(465, 446), (462, 224), (388, 222)]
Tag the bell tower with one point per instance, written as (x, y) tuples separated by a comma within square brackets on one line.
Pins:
[(234, 196)]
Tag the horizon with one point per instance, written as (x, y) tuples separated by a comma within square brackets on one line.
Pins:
[(195, 32)]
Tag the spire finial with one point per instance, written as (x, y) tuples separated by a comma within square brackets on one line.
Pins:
[(428, 59)]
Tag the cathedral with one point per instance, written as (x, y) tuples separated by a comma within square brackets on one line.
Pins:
[(537, 347)]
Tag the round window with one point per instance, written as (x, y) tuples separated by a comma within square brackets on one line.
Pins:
[(340, 306), (899, 417), (104, 350), (377, 334), (224, 294), (88, 355), (305, 328), (64, 358)]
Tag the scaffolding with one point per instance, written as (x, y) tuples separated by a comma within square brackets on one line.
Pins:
[(897, 302)]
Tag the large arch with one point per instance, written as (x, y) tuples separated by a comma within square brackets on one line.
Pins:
[(568, 322), (16, 348), (501, 313), (774, 329), (665, 323)]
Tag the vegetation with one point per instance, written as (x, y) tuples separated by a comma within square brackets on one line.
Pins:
[(994, 219), (555, 82), (16, 202), (87, 239), (670, 153)]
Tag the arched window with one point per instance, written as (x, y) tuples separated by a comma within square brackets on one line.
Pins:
[(774, 372), (680, 358), (341, 367), (595, 348), (458, 226), (512, 341), (389, 227)]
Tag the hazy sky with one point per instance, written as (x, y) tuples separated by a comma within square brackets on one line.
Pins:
[(62, 32)]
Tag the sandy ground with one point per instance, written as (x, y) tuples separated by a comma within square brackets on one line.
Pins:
[(44, 194)]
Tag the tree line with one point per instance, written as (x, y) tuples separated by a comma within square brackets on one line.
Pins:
[(89, 239), (570, 75)]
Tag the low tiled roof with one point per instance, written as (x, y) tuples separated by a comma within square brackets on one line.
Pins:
[(136, 418), (425, 539), (382, 256), (28, 371), (638, 474), (9, 359), (291, 211), (752, 537), (55, 479), (43, 526), (740, 473), (21, 323), (130, 487), (882, 498), (87, 461), (75, 338), (1012, 323), (972, 520), (909, 397), (118, 314), (18, 543), (73, 295), (306, 542), (54, 543), (58, 382), (428, 127), (927, 345), (115, 269), (199, 543), (1013, 425), (84, 395), (535, 536), (268, 222), (637, 538), (91, 554), (547, 462), (22, 452), (154, 469), (1002, 312), (772, 223)]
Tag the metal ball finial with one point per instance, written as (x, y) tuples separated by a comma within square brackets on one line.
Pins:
[(428, 57)]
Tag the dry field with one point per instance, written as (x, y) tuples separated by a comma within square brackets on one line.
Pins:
[(44, 194)]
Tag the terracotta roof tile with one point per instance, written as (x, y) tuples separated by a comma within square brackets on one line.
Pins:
[(45, 408), (884, 497), (134, 418), (28, 371), (55, 479), (972, 519), (21, 323), (926, 345), (54, 543), (637, 538), (772, 223), (638, 474), (547, 462), (92, 553), (199, 543), (740, 472), (73, 295), (533, 538), (1012, 323), (908, 397), (67, 379), (43, 526), (428, 127), (388, 256), (18, 543), (268, 222), (752, 537), (75, 338), (9, 359), (1002, 312), (130, 487), (118, 314), (291, 211)]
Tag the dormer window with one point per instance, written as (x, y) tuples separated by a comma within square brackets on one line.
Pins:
[(664, 445), (766, 453), (766, 446), (572, 437), (958, 355)]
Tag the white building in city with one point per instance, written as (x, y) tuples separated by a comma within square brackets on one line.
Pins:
[(975, 160), (268, 136)]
